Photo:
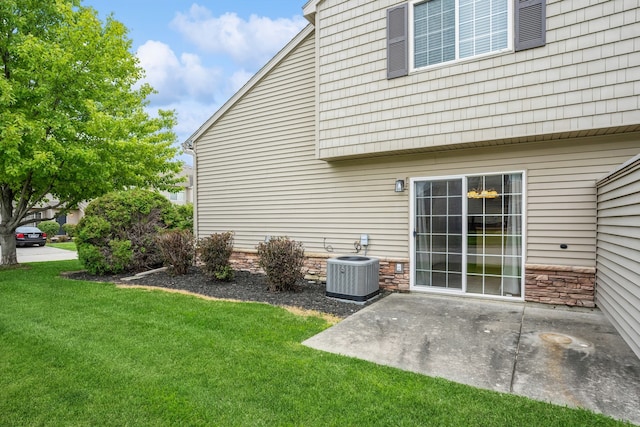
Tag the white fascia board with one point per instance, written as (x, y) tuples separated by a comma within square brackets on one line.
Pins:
[(309, 10)]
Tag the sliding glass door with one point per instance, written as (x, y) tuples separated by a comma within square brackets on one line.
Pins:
[(438, 234), (467, 234)]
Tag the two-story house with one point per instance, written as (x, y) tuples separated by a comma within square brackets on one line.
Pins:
[(182, 194), (466, 138)]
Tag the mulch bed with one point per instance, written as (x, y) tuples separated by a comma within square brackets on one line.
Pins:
[(244, 287)]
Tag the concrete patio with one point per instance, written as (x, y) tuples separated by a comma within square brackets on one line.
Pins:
[(562, 355)]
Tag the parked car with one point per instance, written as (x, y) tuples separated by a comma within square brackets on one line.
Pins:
[(29, 236)]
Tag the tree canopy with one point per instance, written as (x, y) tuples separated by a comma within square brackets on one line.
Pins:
[(73, 119)]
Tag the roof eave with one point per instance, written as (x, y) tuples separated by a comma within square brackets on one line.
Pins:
[(309, 10)]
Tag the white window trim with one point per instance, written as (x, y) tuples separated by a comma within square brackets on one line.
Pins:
[(411, 38), (462, 292)]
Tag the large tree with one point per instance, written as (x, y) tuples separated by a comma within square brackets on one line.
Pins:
[(73, 124)]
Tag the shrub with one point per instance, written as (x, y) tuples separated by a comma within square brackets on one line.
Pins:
[(93, 228), (49, 227), (118, 231), (177, 248), (121, 254), (94, 259), (180, 217), (70, 229), (215, 252), (282, 260), (224, 274), (115, 258)]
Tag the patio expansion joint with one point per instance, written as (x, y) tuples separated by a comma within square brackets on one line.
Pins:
[(515, 359)]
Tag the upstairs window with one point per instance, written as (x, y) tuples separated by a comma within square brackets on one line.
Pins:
[(423, 33), (448, 30)]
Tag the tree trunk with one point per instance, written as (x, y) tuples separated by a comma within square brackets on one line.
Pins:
[(8, 249), (7, 227)]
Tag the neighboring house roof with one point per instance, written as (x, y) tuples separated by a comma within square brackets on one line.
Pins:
[(189, 143)]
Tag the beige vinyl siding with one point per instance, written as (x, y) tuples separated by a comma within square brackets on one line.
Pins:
[(585, 81), (258, 176), (618, 254)]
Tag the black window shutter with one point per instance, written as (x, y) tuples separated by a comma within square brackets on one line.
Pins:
[(397, 46), (531, 24)]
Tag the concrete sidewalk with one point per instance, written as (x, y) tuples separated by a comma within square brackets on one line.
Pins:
[(44, 253), (570, 357)]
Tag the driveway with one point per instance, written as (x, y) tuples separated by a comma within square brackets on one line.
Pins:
[(44, 253), (566, 356)]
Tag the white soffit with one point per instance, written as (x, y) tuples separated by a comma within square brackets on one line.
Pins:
[(309, 10)]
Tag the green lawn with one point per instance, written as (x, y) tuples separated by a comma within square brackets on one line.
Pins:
[(70, 246), (84, 353)]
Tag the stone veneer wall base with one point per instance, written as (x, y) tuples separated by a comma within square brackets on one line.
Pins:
[(548, 284), (316, 268), (561, 285)]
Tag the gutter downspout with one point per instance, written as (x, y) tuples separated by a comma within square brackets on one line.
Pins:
[(189, 148)]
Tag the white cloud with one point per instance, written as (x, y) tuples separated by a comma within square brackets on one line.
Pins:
[(195, 90), (239, 78), (251, 42), (191, 115), (177, 78)]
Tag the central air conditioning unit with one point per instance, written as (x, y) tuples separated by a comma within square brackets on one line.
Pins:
[(353, 278)]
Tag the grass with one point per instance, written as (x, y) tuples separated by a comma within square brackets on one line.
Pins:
[(69, 246), (85, 353)]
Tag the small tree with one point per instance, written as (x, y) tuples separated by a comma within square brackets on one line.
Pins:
[(73, 116), (282, 260), (177, 248), (215, 252)]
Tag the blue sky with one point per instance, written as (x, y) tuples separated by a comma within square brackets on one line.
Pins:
[(197, 54)]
